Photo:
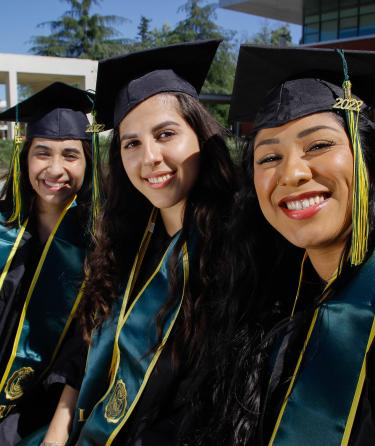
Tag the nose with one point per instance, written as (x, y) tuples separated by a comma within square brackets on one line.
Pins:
[(294, 171), (152, 154), (55, 167)]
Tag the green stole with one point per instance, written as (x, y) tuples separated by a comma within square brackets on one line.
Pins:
[(130, 341), (323, 395), (49, 304)]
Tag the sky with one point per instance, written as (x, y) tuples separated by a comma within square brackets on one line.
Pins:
[(20, 19)]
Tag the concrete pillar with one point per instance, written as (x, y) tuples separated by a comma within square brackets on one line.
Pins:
[(11, 97)]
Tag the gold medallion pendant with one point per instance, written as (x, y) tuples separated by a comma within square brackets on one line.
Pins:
[(115, 408), (18, 382)]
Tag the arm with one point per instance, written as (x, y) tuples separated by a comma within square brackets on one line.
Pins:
[(59, 428)]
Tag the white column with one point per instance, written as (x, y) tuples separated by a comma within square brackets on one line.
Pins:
[(11, 97)]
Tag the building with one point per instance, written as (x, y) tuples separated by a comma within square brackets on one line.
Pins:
[(36, 72), (346, 24)]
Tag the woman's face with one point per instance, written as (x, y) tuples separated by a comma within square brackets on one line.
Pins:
[(56, 169), (159, 151), (303, 179)]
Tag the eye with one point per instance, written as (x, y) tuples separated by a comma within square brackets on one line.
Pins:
[(41, 154), (319, 145), (131, 144), (268, 159), (165, 134), (71, 156)]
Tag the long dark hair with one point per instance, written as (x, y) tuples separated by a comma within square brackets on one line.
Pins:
[(27, 192), (265, 273), (123, 221)]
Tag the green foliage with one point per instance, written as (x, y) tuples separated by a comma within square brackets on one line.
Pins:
[(280, 36), (78, 33), (6, 147), (199, 24)]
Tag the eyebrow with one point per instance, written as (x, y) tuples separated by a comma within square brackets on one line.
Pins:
[(301, 134), (154, 129), (314, 129)]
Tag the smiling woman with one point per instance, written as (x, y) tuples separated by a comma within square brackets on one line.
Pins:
[(43, 214), (158, 262), (306, 373)]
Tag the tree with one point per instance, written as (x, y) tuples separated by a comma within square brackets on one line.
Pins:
[(280, 36), (199, 24), (79, 33)]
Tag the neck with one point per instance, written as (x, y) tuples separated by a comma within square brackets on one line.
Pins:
[(326, 260), (47, 216), (172, 218)]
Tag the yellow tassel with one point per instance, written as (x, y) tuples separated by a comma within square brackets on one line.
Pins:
[(360, 188), (360, 226), (96, 197), (14, 173)]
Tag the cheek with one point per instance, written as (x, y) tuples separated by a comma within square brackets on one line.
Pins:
[(130, 163), (263, 186)]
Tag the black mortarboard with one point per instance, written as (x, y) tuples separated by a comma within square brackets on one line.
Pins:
[(56, 112), (125, 81), (276, 85)]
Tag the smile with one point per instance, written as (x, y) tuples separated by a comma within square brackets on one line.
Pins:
[(305, 203), (306, 206), (159, 181), (54, 185)]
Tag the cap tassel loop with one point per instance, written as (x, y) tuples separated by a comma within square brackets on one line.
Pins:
[(14, 175), (97, 193), (360, 222)]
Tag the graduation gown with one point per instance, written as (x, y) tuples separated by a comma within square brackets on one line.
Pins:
[(283, 362), (160, 409), (25, 415)]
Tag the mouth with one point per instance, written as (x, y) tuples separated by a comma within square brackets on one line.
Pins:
[(305, 205), (159, 180), (54, 186)]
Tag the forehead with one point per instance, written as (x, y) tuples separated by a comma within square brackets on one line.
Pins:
[(153, 108), (56, 144)]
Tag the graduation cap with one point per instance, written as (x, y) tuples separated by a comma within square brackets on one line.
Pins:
[(125, 81), (274, 86), (56, 112)]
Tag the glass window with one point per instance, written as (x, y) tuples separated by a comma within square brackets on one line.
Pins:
[(311, 38), (348, 27), (311, 28), (329, 15), (367, 24), (328, 30), (348, 12), (348, 3), (311, 19), (329, 5), (365, 9), (311, 7)]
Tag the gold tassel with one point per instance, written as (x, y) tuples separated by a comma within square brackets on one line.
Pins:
[(360, 189), (14, 174), (96, 197)]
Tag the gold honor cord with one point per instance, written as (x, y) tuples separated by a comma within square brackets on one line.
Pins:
[(12, 253), (129, 288), (305, 344), (358, 391), (30, 292), (161, 346)]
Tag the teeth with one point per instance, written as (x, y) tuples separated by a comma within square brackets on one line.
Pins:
[(158, 180), (305, 203), (53, 184)]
